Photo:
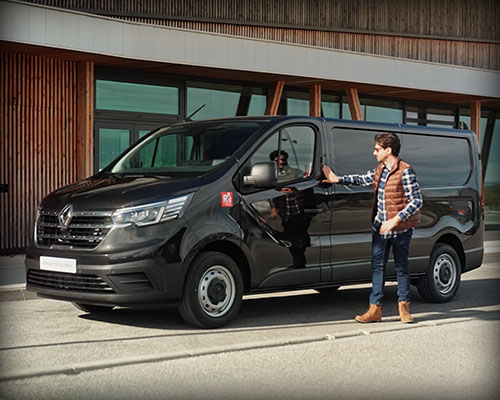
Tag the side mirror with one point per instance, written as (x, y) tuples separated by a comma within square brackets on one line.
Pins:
[(262, 175)]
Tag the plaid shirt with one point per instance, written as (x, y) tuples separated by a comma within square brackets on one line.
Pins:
[(410, 187)]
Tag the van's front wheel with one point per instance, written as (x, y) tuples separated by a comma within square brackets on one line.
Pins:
[(442, 280), (213, 291)]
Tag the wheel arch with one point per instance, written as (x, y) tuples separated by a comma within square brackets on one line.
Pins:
[(454, 242)]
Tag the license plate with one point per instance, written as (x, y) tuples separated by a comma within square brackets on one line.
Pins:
[(58, 264)]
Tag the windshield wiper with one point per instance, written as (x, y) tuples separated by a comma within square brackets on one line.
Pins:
[(145, 175)]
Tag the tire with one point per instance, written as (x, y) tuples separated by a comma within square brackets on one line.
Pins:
[(328, 290), (212, 292), (442, 280), (91, 308)]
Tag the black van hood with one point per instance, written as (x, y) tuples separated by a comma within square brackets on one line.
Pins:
[(95, 194)]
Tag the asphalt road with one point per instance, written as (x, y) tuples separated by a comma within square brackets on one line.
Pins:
[(298, 345)]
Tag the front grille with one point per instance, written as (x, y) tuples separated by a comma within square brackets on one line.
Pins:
[(70, 282), (86, 230)]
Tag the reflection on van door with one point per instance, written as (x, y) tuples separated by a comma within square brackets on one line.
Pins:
[(287, 227)]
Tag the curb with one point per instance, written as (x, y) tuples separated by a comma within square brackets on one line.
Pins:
[(16, 292), (121, 362)]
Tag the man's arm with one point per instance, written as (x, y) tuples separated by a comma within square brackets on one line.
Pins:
[(355, 180), (412, 193)]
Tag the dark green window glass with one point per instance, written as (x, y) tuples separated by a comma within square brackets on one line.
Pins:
[(135, 97), (257, 104), (221, 100), (376, 110), (112, 142), (297, 106)]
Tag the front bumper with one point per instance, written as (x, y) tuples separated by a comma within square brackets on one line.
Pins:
[(150, 280)]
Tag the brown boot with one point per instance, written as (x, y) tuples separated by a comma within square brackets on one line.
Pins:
[(373, 314), (404, 312)]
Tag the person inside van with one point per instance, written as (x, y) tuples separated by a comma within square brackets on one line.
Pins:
[(395, 213), (285, 172)]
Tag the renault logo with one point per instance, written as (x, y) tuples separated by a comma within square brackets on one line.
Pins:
[(65, 216)]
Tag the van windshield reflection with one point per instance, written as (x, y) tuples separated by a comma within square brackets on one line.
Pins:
[(194, 148)]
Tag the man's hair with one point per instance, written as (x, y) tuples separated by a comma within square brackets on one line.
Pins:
[(389, 140), (274, 154)]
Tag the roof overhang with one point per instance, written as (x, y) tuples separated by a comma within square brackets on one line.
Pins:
[(111, 42)]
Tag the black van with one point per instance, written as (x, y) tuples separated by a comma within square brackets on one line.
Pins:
[(200, 213)]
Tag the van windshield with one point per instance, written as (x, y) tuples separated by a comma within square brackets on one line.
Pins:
[(192, 148)]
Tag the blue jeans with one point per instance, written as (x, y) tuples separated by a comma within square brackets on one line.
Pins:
[(380, 253)]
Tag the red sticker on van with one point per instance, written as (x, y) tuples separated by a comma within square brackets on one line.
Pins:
[(226, 199)]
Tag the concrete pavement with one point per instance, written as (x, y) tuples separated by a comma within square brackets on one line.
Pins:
[(286, 345)]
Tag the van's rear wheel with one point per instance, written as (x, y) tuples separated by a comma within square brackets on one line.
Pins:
[(442, 280), (213, 291)]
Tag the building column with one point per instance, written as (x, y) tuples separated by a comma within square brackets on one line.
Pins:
[(274, 98), (354, 106), (475, 119), (315, 101), (85, 124)]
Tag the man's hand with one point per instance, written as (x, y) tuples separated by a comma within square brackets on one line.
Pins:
[(330, 176), (389, 225)]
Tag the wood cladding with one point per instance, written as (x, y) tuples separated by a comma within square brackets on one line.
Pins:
[(475, 19), (456, 32), (38, 96)]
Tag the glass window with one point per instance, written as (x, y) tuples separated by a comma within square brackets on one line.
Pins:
[(135, 97), (220, 100), (437, 160), (376, 110), (424, 116), (189, 149), (297, 103), (257, 104), (112, 142), (353, 152), (492, 177), (295, 146), (330, 106)]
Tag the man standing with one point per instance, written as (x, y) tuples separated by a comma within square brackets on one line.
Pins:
[(395, 212)]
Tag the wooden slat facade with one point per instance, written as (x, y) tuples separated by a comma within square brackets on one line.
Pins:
[(458, 32), (37, 140), (475, 19)]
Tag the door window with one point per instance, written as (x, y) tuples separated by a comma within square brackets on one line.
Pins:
[(292, 148)]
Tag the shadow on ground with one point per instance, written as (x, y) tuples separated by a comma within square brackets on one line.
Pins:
[(314, 308)]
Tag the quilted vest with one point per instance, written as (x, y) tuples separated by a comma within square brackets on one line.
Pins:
[(394, 195)]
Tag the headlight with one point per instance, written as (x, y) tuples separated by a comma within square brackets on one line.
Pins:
[(153, 213)]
